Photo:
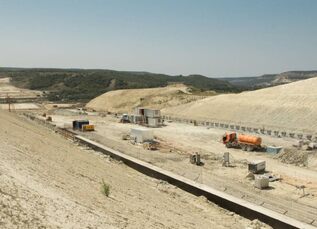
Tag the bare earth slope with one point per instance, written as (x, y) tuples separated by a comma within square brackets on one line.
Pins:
[(47, 181), (290, 106), (126, 100), (7, 89)]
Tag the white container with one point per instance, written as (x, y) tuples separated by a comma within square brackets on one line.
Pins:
[(261, 182), (256, 166), (141, 134), (153, 122), (150, 113)]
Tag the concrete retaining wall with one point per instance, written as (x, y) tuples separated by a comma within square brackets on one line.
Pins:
[(241, 207), (237, 127)]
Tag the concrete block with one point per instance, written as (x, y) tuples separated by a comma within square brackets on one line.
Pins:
[(309, 137), (261, 182), (291, 135)]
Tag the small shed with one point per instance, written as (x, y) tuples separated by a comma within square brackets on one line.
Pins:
[(141, 134), (77, 124)]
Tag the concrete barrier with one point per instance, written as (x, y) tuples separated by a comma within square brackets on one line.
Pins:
[(232, 126), (309, 137)]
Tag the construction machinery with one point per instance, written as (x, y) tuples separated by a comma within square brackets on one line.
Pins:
[(195, 159), (125, 118), (245, 142), (87, 127)]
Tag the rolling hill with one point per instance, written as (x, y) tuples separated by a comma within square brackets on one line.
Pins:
[(123, 101), (289, 106)]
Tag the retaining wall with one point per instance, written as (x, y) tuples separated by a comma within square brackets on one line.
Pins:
[(232, 126)]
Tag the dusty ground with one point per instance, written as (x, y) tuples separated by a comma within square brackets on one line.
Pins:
[(181, 139), (291, 107), (20, 106), (6, 88), (49, 182)]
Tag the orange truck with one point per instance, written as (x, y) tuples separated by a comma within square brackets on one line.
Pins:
[(245, 142)]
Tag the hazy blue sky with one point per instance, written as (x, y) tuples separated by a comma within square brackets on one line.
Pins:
[(214, 38)]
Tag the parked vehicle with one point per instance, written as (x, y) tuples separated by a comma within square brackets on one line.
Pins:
[(245, 142)]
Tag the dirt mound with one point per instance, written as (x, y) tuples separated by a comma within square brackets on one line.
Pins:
[(293, 156), (126, 100), (290, 107)]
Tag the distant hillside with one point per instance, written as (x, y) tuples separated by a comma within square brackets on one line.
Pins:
[(270, 80), (80, 84)]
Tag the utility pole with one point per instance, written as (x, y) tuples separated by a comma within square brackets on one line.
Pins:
[(8, 100)]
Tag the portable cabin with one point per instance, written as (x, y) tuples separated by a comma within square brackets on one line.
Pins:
[(77, 124)]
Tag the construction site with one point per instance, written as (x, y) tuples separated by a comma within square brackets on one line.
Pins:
[(171, 159)]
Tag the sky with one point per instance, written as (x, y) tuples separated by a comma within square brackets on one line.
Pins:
[(216, 38)]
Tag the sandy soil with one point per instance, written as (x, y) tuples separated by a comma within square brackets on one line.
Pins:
[(47, 181), (7, 89), (20, 106), (290, 107), (124, 101), (179, 140)]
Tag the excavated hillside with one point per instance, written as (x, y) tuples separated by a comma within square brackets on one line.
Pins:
[(292, 107), (159, 98), (47, 181)]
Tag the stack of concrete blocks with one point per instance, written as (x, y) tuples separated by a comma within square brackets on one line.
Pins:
[(153, 117), (261, 182), (149, 117), (140, 135)]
